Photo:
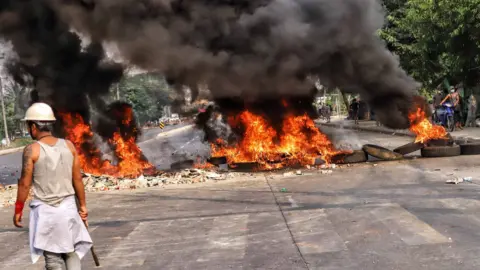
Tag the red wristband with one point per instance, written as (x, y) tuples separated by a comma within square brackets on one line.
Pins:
[(19, 207)]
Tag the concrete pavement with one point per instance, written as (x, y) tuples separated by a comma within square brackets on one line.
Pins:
[(11, 150), (396, 215), (378, 215)]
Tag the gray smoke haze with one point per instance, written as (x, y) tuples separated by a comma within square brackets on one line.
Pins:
[(252, 50)]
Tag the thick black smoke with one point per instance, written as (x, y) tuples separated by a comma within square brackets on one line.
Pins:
[(244, 50), (51, 59), (254, 49)]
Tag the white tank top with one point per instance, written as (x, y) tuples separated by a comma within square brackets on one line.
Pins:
[(52, 173)]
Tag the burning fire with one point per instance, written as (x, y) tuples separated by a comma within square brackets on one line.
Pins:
[(300, 142), (423, 128), (130, 161)]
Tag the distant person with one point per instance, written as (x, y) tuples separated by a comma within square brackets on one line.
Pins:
[(437, 99), (328, 112), (355, 107), (454, 98), (472, 111), (432, 109)]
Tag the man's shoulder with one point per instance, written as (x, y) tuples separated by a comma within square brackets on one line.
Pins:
[(70, 145), (32, 146), (32, 150), (68, 142)]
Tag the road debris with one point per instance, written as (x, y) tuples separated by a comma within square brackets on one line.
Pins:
[(468, 179), (326, 171), (102, 183), (456, 180), (283, 190)]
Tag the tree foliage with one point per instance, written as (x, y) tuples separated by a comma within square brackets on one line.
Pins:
[(148, 93), (435, 39), (14, 101)]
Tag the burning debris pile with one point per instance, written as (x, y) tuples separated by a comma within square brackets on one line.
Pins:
[(272, 134), (423, 128), (420, 123), (130, 161), (298, 143)]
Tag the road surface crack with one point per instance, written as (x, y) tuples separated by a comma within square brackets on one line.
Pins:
[(286, 223)]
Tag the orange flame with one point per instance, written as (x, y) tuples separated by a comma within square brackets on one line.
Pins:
[(423, 128), (130, 162), (203, 165), (300, 142)]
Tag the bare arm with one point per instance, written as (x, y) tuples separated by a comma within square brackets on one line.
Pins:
[(77, 177), (24, 183), (445, 99), (25, 180)]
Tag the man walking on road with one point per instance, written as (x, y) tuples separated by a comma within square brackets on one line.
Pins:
[(56, 227)]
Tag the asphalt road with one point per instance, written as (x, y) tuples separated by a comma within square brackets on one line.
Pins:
[(374, 216), (10, 165)]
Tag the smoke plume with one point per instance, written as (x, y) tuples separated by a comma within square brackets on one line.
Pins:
[(50, 58), (73, 79), (243, 50), (257, 49)]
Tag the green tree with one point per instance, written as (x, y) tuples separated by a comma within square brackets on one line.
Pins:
[(435, 39), (148, 93), (10, 101)]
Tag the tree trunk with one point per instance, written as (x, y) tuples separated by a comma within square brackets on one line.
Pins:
[(345, 99), (118, 91), (5, 126)]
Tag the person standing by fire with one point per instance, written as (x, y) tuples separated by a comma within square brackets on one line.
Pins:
[(355, 107), (51, 165)]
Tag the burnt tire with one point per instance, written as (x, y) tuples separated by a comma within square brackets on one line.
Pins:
[(408, 148), (441, 151), (357, 156), (181, 165), (461, 141), (470, 149), (381, 152), (245, 166), (217, 160)]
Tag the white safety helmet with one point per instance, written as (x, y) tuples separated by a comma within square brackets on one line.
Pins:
[(39, 112)]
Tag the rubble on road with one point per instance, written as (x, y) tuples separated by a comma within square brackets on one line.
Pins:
[(186, 176), (8, 195), (96, 183)]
